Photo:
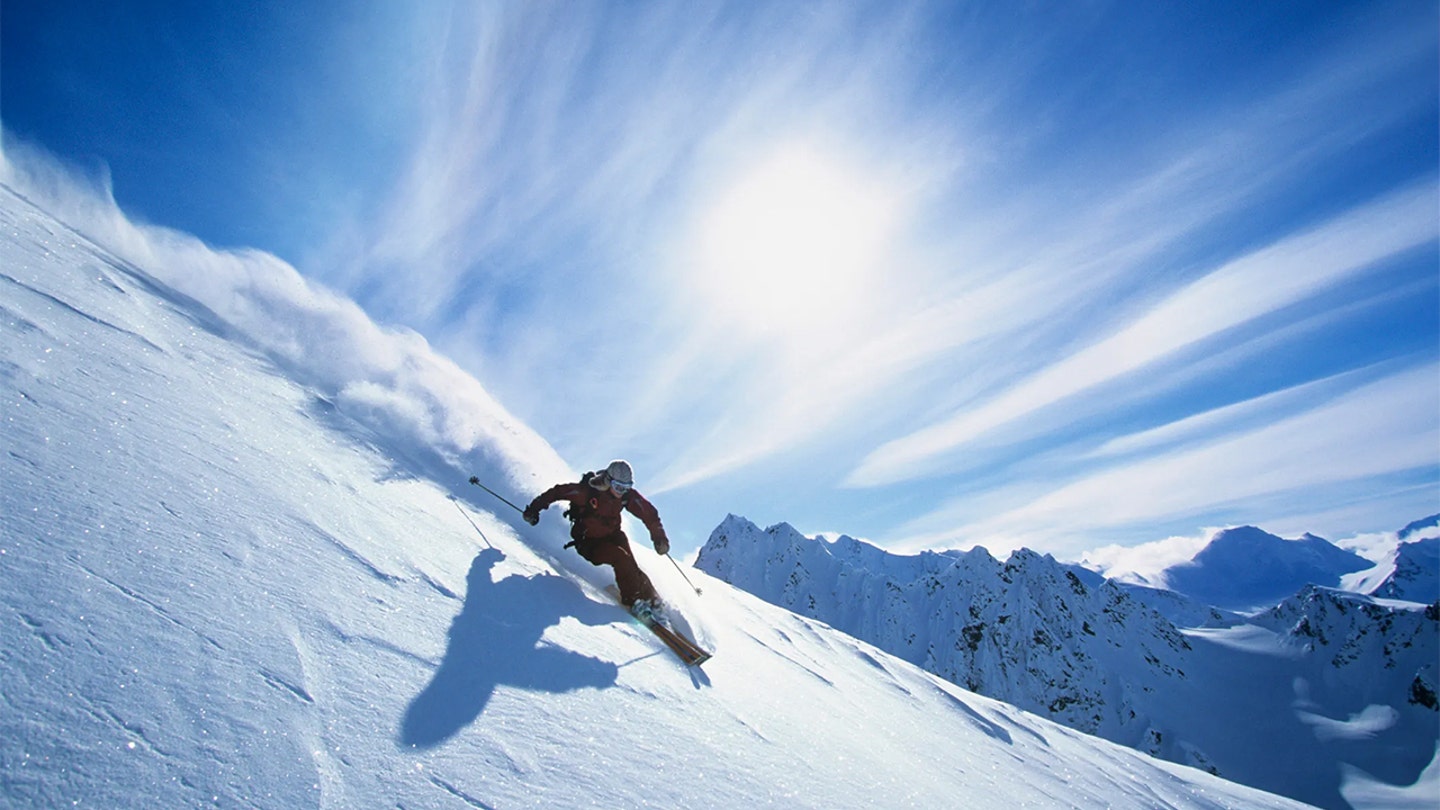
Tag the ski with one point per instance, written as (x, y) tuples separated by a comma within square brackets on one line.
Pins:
[(683, 647), (686, 650)]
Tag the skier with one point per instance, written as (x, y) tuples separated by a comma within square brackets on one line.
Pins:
[(595, 506)]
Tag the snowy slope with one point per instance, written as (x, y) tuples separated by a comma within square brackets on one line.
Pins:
[(1322, 699), (238, 568), (1411, 571)]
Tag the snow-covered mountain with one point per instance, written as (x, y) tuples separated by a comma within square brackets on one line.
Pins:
[(1410, 571), (1247, 569), (1424, 527), (1027, 631), (1368, 651), (1415, 575), (1294, 701), (240, 567)]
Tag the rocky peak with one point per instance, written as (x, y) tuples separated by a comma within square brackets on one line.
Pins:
[(1030, 630)]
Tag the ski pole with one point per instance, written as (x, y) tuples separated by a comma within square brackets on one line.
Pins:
[(472, 522), (698, 592), (476, 481)]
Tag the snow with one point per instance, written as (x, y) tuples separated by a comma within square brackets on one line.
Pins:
[(1248, 638), (1409, 572), (1364, 725), (1247, 569), (1363, 790), (242, 568), (1294, 700)]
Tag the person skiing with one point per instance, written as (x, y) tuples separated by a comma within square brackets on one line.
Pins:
[(596, 502)]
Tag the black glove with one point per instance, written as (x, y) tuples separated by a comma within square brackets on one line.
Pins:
[(662, 545), (532, 514)]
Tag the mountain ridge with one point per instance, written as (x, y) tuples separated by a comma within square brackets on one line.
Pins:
[(1099, 658)]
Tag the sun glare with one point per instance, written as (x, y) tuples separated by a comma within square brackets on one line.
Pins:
[(794, 244)]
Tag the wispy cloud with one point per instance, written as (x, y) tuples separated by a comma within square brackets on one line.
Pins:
[(1144, 562), (1250, 287), (1020, 278), (1223, 420), (1340, 441), (547, 231), (1067, 232)]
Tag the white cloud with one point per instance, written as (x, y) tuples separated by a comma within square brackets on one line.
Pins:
[(1211, 423), (558, 153), (1386, 427), (554, 153), (1247, 288), (1143, 563)]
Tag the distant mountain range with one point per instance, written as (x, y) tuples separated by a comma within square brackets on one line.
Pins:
[(1411, 571), (1248, 569), (1286, 699)]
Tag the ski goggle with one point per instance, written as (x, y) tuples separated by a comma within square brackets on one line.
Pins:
[(620, 487)]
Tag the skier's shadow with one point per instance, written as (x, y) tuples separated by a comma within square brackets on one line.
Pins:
[(494, 641)]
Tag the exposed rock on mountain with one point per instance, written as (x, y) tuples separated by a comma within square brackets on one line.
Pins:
[(1292, 700)]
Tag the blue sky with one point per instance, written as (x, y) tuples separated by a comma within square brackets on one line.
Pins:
[(937, 275)]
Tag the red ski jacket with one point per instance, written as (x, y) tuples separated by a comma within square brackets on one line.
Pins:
[(598, 511)]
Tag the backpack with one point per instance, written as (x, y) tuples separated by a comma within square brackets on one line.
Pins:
[(580, 511)]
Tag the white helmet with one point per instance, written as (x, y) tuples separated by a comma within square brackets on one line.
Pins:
[(620, 475)]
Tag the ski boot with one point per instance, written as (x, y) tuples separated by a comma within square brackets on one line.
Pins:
[(648, 610)]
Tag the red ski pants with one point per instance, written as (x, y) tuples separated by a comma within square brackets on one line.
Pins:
[(614, 551)]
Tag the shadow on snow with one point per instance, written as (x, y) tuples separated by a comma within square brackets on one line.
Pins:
[(495, 640)]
